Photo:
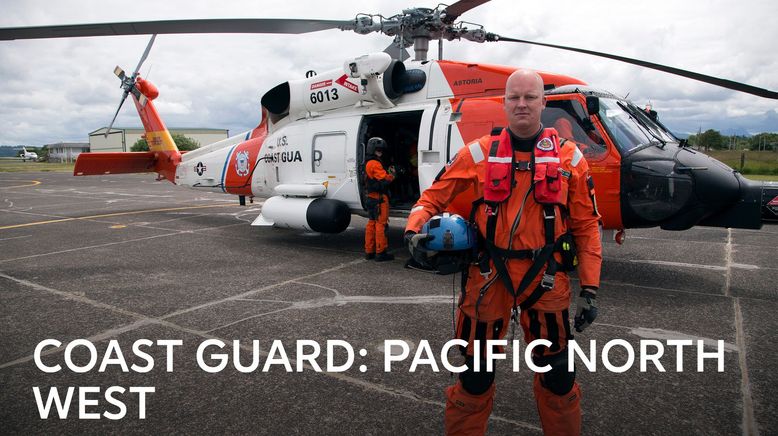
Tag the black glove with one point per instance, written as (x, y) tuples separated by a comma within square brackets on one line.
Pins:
[(586, 311), (417, 246)]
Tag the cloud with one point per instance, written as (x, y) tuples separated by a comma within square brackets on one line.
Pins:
[(63, 89)]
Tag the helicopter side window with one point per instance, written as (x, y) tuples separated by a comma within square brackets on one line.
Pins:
[(561, 115)]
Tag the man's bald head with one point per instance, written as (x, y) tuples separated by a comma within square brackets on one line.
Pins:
[(524, 102), (525, 76)]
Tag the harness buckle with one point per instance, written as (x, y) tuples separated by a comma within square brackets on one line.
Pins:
[(548, 217), (536, 253), (522, 165), (548, 281)]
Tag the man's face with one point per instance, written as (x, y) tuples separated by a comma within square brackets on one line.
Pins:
[(524, 101)]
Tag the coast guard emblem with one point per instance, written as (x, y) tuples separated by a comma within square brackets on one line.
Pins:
[(242, 163), (545, 144)]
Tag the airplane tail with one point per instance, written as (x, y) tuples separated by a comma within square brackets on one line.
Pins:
[(163, 156)]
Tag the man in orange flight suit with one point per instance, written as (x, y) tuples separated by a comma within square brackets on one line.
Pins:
[(377, 201), (518, 226)]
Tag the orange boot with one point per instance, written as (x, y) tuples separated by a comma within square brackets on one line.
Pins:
[(559, 414), (467, 414)]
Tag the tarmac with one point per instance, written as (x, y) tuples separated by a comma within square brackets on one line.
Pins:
[(117, 259)]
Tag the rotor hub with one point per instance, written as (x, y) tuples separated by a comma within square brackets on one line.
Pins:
[(416, 27)]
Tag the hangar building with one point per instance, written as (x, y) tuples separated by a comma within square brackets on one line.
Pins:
[(66, 151), (122, 138)]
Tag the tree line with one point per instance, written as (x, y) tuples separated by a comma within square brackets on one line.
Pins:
[(714, 140), (183, 142)]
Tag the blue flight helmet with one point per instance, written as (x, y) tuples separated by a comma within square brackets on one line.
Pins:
[(452, 244), (451, 233)]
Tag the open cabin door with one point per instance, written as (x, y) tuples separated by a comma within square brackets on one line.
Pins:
[(401, 131)]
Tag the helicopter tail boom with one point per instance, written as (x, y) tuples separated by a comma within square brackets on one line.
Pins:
[(163, 156), (158, 138)]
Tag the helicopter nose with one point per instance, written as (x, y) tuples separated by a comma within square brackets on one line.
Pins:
[(726, 197), (677, 188)]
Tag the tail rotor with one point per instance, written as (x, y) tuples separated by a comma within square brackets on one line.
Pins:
[(128, 83)]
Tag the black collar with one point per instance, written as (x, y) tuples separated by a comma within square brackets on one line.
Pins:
[(524, 144)]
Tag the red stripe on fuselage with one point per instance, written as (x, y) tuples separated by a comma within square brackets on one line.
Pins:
[(240, 168)]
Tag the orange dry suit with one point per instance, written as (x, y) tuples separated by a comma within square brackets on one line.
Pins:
[(512, 224), (377, 205)]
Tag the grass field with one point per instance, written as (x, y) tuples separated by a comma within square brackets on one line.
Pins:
[(762, 177), (15, 165), (756, 162)]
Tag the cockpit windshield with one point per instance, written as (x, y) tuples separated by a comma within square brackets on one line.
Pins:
[(629, 126)]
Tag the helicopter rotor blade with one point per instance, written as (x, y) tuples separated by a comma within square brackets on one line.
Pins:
[(145, 54), (454, 11), (216, 25), (121, 102), (724, 83)]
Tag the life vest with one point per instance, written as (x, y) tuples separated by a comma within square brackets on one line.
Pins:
[(544, 165), (547, 187), (374, 185)]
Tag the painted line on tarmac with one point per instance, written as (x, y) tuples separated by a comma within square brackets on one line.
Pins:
[(339, 300), (663, 335), (34, 183), (728, 263), (687, 265), (749, 424), (108, 244), (15, 237), (136, 212), (143, 321)]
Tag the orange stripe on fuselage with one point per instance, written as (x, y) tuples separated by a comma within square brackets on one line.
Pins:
[(467, 79)]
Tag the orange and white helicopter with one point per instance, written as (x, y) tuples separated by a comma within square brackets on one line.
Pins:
[(306, 155)]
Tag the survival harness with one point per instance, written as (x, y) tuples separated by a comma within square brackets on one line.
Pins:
[(373, 185), (547, 187)]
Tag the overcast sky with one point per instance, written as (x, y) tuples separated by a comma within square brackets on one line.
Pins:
[(60, 90)]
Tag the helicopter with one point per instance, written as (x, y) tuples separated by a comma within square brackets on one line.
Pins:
[(305, 157)]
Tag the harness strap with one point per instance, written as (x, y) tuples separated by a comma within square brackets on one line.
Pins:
[(541, 257)]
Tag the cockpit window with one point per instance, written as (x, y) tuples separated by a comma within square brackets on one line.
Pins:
[(625, 131), (630, 127), (645, 121), (569, 119)]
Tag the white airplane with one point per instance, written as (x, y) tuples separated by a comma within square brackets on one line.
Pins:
[(28, 155)]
